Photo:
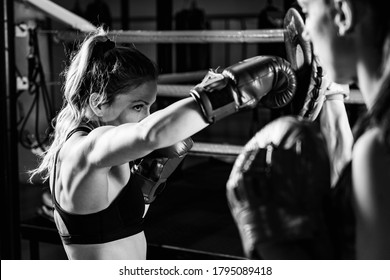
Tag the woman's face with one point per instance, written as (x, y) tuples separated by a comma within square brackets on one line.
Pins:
[(335, 53), (130, 107)]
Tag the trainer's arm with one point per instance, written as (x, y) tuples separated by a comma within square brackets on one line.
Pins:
[(337, 131)]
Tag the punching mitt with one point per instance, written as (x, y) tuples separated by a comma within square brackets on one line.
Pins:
[(313, 86), (152, 171), (276, 190), (240, 86)]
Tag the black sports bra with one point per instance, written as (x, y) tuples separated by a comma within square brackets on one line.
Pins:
[(122, 218)]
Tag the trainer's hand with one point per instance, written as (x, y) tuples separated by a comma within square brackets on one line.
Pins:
[(276, 192)]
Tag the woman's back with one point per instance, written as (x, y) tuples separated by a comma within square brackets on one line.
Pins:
[(98, 213)]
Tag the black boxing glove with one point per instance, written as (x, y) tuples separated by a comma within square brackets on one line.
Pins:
[(152, 172), (268, 79), (277, 189), (313, 85)]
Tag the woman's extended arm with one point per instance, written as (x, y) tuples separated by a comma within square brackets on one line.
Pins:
[(110, 146)]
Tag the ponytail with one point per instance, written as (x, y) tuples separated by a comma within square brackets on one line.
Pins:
[(99, 66)]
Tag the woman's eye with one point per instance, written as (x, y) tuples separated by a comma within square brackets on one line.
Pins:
[(138, 108)]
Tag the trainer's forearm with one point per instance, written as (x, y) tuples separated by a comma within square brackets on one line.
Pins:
[(337, 131)]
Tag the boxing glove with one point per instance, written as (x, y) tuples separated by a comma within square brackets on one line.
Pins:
[(276, 192), (268, 79), (313, 85), (152, 171)]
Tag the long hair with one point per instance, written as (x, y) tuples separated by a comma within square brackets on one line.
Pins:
[(98, 66)]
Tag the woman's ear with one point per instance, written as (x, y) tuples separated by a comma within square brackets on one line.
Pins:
[(343, 17), (94, 103)]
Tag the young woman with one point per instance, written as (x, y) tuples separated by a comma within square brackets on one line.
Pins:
[(352, 40), (105, 125)]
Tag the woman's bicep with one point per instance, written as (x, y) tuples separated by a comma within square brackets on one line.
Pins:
[(112, 146)]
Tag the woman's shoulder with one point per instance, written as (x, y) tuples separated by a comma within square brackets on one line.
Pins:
[(77, 150), (371, 158), (371, 145), (77, 142), (81, 138)]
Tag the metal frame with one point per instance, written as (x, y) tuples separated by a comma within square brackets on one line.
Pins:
[(9, 184)]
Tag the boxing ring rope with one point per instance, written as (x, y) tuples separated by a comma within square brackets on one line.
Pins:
[(182, 91), (177, 37), (181, 78), (215, 150), (174, 91)]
